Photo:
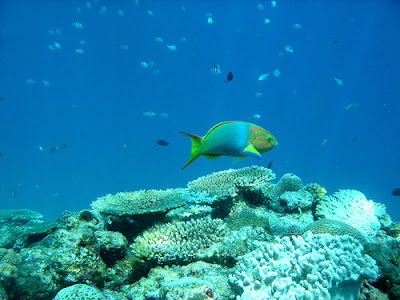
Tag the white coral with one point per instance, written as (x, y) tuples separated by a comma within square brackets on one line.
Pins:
[(353, 208), (318, 266)]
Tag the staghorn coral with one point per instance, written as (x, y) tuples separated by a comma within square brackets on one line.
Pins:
[(139, 202), (179, 240), (352, 207), (228, 183), (318, 266)]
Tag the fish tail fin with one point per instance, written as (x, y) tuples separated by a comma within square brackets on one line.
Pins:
[(195, 150)]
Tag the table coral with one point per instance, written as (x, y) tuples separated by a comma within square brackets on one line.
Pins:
[(227, 183), (139, 202)]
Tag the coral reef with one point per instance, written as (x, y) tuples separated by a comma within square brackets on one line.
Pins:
[(20, 216), (335, 227), (139, 202), (184, 240), (79, 292), (198, 280), (227, 183), (184, 243), (288, 183), (352, 207), (314, 267)]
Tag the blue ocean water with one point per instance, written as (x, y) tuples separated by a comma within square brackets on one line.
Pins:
[(94, 101)]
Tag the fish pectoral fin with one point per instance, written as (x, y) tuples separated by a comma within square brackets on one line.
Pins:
[(211, 157), (237, 159), (251, 151)]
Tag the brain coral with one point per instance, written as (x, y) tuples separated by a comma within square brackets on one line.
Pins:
[(288, 183), (351, 207), (335, 227), (139, 202), (179, 240), (318, 266), (79, 292), (227, 183)]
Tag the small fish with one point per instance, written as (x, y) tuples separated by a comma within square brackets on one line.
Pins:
[(159, 39), (289, 48), (13, 193), (232, 138), (79, 51), (149, 114), (41, 148), (338, 81), (229, 77), (2, 98), (30, 81), (53, 149), (171, 47), (396, 192), (270, 164), (334, 42), (45, 83), (297, 26), (323, 142), (77, 25), (267, 21), (162, 142), (210, 20), (254, 117), (149, 13), (144, 64), (263, 76), (123, 47), (63, 146), (355, 139), (164, 115), (352, 105), (215, 69), (276, 73)]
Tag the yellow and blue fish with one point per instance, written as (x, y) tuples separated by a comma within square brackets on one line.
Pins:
[(231, 138)]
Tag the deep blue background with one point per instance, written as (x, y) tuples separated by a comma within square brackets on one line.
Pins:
[(95, 101)]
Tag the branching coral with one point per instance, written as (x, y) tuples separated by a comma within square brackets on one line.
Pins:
[(179, 240)]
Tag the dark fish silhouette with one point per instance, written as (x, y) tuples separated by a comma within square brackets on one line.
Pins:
[(53, 149), (1, 154), (62, 146), (1, 98), (229, 77), (270, 164), (162, 142), (355, 139), (396, 192)]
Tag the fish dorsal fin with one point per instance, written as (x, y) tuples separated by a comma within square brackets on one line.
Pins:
[(251, 151)]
